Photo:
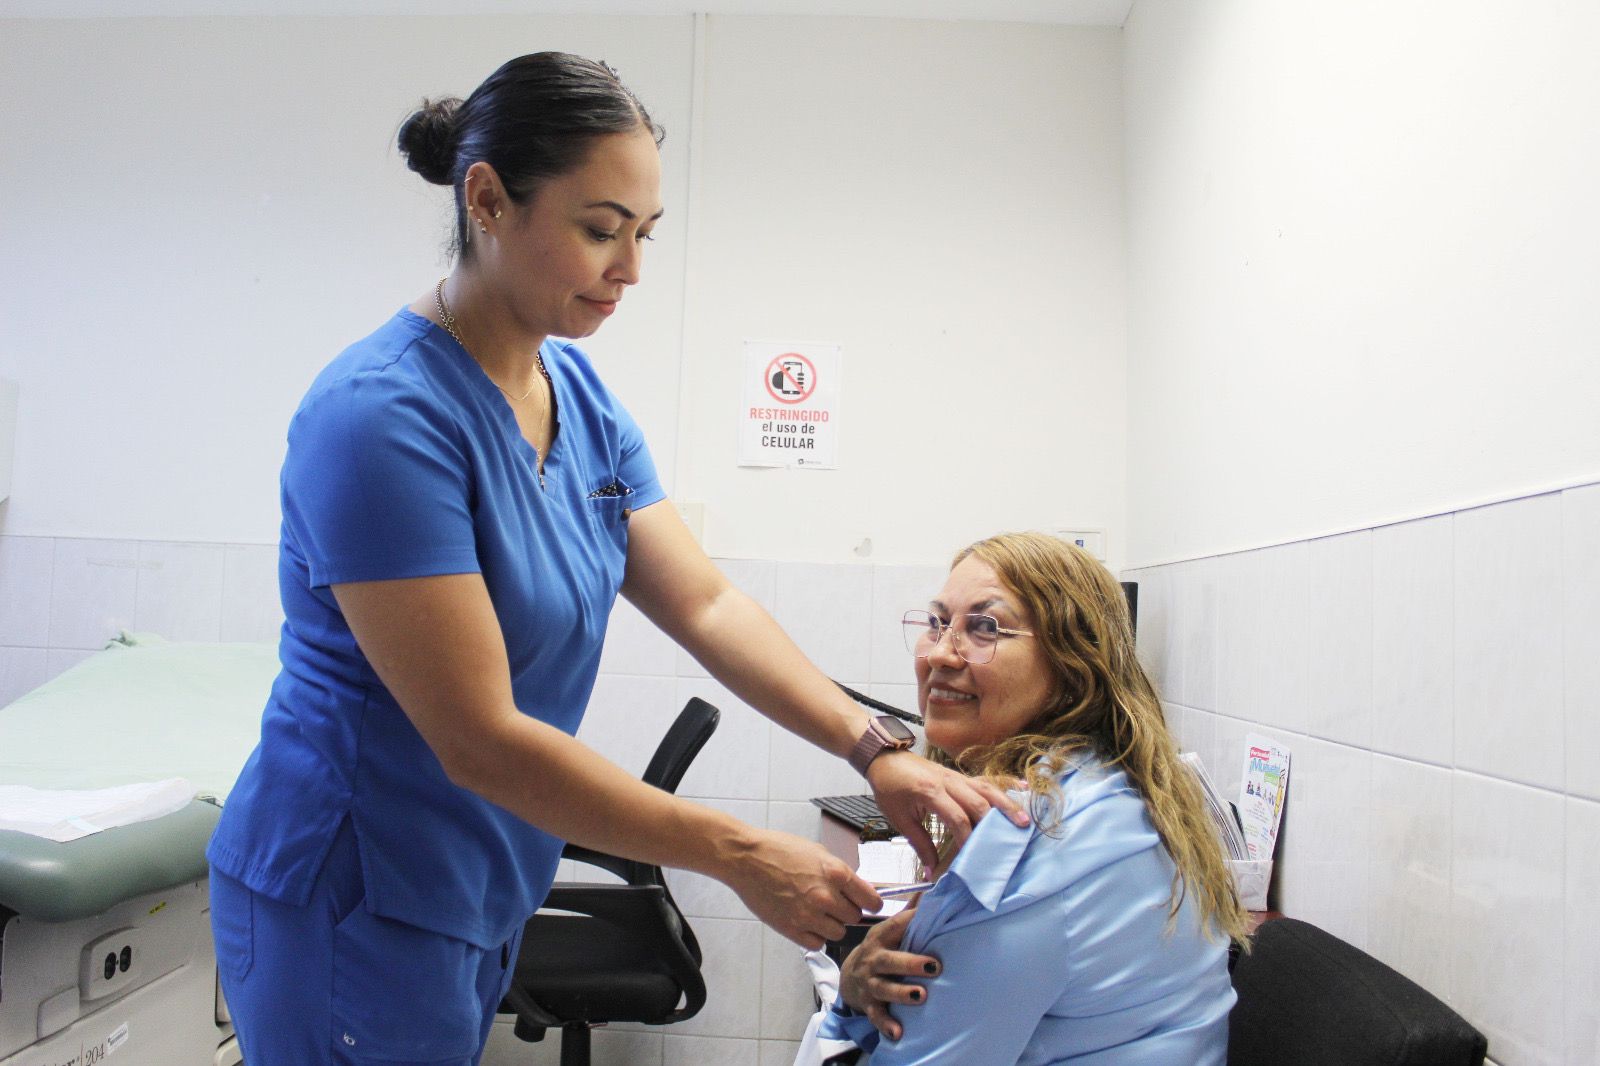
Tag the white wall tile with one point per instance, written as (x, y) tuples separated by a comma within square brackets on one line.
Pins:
[(26, 564), (1339, 638), (1409, 922), (1580, 538), (802, 819), (1261, 653), (1413, 640), (1507, 889), (1200, 737), (93, 591), (628, 716), (779, 1052), (21, 671), (1325, 842), (635, 646), (801, 771), (733, 764), (1581, 979), (786, 995), (252, 609), (827, 609), (896, 590), (1195, 613), (755, 578), (1154, 651), (178, 594), (709, 1051), (732, 970), (58, 661), (1508, 692), (699, 896), (1175, 716)]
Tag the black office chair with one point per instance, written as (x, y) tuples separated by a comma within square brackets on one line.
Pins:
[(621, 953), (1306, 997)]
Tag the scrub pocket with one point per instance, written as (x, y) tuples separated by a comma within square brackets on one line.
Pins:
[(233, 925), (404, 994)]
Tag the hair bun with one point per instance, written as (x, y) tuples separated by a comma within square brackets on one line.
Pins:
[(428, 139)]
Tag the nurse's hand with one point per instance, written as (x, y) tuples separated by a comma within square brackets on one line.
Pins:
[(797, 887), (869, 980), (909, 787)]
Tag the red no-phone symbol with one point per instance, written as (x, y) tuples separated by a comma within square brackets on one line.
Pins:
[(790, 378)]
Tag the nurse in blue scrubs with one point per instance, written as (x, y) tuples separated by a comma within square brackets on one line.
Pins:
[(463, 499), (1097, 935)]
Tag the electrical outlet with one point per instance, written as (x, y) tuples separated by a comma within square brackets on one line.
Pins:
[(111, 963)]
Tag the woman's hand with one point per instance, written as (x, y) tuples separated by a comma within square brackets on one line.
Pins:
[(866, 980), (909, 787), (797, 887)]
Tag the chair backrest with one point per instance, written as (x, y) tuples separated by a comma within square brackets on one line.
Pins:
[(694, 726), (682, 742), (1306, 997)]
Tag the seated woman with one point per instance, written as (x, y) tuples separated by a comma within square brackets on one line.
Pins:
[(1100, 933)]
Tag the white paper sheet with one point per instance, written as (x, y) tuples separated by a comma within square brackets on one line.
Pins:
[(71, 814)]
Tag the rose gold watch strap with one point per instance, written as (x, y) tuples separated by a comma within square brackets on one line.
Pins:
[(867, 748)]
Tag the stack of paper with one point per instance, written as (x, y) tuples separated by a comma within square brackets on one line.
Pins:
[(888, 862), (69, 814), (1223, 814)]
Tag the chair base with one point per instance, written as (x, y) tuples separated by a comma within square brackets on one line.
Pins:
[(575, 1040)]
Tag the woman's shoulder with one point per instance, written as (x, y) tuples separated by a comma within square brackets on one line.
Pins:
[(1094, 818)]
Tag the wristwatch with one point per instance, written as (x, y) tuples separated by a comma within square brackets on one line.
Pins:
[(883, 734)]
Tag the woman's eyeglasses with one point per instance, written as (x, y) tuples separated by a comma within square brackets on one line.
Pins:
[(974, 639)]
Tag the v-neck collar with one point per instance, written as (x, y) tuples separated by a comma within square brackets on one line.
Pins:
[(501, 404)]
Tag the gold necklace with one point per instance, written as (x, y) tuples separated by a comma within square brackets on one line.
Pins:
[(448, 320)]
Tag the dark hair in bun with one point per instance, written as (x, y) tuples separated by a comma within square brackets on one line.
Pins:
[(428, 139), (532, 120)]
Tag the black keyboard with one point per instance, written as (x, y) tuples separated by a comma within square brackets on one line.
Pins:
[(859, 811)]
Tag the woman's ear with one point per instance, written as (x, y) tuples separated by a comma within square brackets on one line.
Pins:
[(485, 197)]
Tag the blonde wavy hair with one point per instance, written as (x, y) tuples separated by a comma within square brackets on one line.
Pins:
[(1104, 704)]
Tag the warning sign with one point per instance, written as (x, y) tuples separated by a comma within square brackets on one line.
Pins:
[(789, 410)]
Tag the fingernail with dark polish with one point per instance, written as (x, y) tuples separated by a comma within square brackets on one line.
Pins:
[(916, 995), (930, 968)]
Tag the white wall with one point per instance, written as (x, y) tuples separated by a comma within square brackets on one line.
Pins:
[(944, 201), (1361, 262), (1437, 684), (199, 213)]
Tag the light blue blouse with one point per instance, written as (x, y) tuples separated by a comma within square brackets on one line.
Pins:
[(1054, 948)]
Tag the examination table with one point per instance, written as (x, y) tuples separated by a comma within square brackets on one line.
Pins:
[(105, 941)]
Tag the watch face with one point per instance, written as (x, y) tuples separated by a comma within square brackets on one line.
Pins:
[(896, 729)]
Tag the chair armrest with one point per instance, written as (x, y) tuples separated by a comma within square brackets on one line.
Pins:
[(611, 864)]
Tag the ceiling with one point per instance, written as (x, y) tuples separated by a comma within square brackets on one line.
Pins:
[(1070, 12)]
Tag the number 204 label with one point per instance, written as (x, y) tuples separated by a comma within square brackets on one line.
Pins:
[(92, 1054)]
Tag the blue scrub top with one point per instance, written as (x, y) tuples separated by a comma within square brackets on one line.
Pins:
[(1054, 950), (405, 460)]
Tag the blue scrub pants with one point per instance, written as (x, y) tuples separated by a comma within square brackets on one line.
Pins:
[(329, 984)]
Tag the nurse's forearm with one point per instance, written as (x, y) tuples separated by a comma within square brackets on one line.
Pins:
[(793, 885)]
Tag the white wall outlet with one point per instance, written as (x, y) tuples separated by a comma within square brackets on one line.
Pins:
[(694, 516), (1092, 541)]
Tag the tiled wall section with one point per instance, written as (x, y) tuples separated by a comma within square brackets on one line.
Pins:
[(1439, 684), (60, 599)]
